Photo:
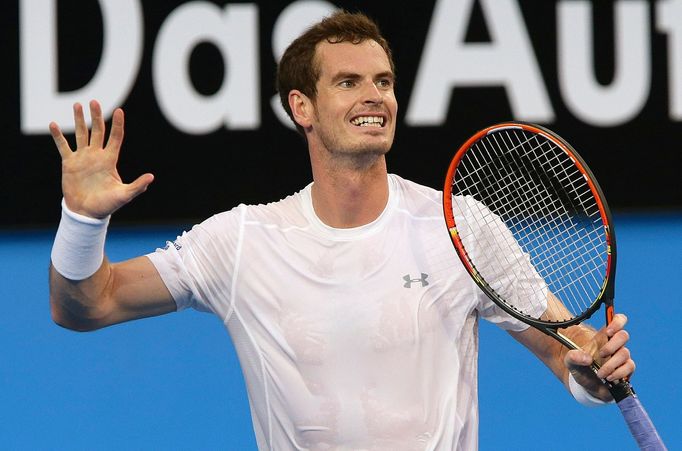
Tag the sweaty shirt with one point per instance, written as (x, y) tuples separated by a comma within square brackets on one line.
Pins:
[(349, 339)]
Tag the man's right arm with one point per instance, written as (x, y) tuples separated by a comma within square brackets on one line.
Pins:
[(88, 292), (116, 293)]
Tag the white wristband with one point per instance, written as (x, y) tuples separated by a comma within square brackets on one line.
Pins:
[(78, 249), (581, 395)]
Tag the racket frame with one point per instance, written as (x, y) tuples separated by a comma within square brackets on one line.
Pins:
[(640, 425), (606, 294)]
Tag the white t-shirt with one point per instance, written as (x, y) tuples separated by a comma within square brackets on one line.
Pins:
[(349, 339)]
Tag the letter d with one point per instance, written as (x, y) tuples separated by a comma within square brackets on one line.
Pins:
[(119, 64)]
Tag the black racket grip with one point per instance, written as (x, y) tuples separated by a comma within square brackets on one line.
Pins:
[(638, 421)]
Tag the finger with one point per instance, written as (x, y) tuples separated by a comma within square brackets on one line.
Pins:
[(97, 135), (616, 342), (617, 323), (622, 372), (81, 127), (60, 141), (116, 134), (619, 365), (614, 362)]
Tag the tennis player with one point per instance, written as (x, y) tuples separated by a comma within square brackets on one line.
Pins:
[(354, 322)]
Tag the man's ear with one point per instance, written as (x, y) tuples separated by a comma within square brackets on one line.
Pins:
[(301, 108)]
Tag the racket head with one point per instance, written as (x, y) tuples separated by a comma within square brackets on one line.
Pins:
[(550, 223)]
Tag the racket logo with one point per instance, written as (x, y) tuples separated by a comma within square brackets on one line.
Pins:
[(409, 280)]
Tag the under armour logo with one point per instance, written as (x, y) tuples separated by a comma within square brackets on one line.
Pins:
[(409, 280)]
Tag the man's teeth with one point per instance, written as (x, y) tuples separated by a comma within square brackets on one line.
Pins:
[(368, 121)]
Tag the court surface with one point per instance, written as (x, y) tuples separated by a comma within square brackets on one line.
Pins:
[(173, 382)]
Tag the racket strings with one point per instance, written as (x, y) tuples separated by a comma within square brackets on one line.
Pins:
[(582, 193), (559, 216), (528, 185), (549, 212), (543, 193), (581, 262)]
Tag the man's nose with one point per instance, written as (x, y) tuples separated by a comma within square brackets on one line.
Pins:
[(372, 94)]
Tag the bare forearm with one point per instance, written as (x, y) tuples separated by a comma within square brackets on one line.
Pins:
[(545, 348), (80, 304), (117, 292)]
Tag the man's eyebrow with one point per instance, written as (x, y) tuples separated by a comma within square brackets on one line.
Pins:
[(346, 75), (387, 74)]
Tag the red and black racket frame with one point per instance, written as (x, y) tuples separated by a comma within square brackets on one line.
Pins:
[(606, 295)]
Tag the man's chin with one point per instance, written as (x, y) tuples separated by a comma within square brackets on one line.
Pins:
[(371, 150), (361, 145), (361, 156), (374, 145)]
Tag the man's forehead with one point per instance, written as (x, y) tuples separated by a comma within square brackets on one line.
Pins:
[(332, 57)]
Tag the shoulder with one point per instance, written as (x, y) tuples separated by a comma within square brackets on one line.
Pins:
[(418, 199), (222, 232), (283, 213), (286, 212)]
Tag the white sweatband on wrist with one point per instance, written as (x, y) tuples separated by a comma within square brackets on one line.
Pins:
[(78, 249), (581, 395)]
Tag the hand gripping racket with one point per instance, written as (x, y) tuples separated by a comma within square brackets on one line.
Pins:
[(531, 226)]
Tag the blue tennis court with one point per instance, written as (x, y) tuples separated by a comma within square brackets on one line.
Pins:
[(173, 382)]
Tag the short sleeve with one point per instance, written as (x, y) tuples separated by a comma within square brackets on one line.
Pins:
[(509, 272), (197, 267)]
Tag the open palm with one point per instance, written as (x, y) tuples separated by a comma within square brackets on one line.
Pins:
[(90, 181)]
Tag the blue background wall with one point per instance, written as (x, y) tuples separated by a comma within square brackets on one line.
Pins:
[(173, 382)]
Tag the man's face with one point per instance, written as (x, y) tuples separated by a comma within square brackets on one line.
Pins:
[(355, 106)]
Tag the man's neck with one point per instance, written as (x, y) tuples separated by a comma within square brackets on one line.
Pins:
[(345, 196)]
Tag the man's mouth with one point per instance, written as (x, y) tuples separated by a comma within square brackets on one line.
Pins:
[(368, 121)]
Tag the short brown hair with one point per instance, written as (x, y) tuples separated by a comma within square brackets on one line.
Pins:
[(298, 69)]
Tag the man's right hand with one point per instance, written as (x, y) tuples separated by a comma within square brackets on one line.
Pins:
[(90, 181)]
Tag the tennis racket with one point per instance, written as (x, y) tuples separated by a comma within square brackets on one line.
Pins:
[(531, 226)]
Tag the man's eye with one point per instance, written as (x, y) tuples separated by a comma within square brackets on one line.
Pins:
[(347, 84), (384, 83)]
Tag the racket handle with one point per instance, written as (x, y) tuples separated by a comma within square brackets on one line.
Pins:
[(641, 427), (638, 421)]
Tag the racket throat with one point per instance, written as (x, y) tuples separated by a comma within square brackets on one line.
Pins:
[(564, 340)]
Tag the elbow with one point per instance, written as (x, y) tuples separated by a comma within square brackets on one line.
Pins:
[(63, 318)]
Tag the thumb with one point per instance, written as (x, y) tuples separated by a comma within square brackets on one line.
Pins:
[(577, 359), (139, 185), (578, 363)]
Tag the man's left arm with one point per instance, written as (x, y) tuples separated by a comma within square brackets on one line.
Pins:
[(605, 346)]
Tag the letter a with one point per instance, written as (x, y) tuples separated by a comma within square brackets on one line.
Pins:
[(448, 61)]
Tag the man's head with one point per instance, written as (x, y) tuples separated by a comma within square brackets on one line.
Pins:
[(299, 68)]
